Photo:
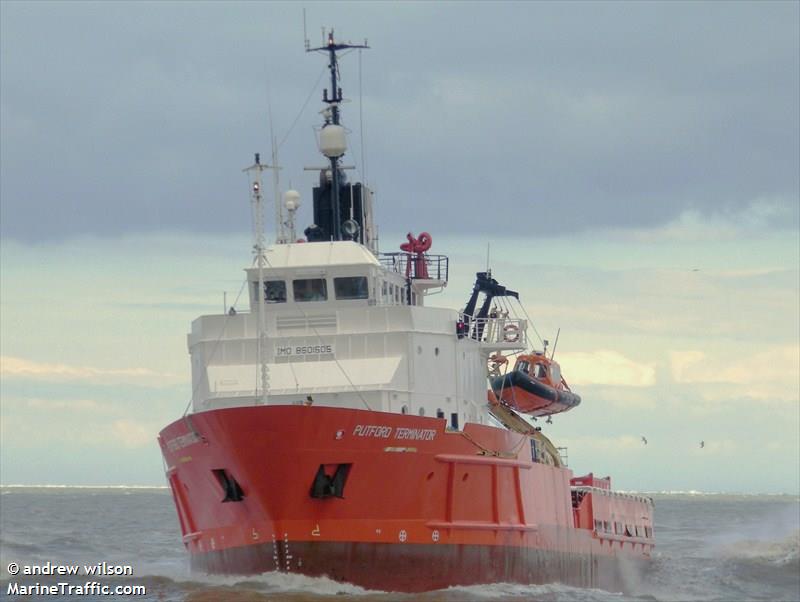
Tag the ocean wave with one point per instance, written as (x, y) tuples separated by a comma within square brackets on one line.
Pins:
[(266, 582), (20, 547), (779, 552), (552, 591), (299, 588)]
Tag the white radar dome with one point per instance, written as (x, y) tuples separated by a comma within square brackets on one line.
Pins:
[(291, 200), (332, 141)]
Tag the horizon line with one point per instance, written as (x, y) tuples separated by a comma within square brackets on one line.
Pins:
[(689, 492)]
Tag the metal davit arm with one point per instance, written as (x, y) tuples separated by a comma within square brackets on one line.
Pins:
[(484, 283)]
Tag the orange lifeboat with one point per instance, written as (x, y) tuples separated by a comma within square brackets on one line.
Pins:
[(535, 386)]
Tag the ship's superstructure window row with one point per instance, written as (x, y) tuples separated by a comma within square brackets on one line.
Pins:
[(346, 288)]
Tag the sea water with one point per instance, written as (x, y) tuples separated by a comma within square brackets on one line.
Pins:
[(710, 547)]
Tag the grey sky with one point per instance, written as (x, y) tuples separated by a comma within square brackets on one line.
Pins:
[(132, 117)]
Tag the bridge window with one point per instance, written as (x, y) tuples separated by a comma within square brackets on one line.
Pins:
[(522, 366), (351, 287), (310, 289), (275, 291)]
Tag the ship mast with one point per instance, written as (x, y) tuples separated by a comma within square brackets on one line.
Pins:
[(260, 260), (334, 152)]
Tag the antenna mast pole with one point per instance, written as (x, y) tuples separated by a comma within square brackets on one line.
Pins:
[(260, 260), (553, 352), (332, 117)]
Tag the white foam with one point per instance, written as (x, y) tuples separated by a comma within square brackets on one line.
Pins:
[(516, 590), (780, 551), (286, 582)]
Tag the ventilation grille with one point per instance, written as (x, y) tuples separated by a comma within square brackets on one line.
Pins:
[(310, 323)]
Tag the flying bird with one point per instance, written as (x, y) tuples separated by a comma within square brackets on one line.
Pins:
[(644, 440)]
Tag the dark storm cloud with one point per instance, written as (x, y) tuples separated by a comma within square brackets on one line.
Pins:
[(479, 117)]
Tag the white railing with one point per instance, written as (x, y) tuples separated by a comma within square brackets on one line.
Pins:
[(500, 331)]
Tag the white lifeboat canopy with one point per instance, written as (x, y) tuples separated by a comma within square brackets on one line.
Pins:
[(332, 140)]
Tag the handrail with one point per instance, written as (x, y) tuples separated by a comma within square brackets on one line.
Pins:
[(496, 330), (411, 265)]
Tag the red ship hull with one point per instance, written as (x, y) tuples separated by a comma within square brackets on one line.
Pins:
[(421, 507)]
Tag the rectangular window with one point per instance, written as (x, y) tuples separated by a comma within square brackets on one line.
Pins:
[(384, 289), (454, 421), (351, 287), (275, 291), (310, 289)]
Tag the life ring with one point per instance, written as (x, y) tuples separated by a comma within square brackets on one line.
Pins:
[(511, 333)]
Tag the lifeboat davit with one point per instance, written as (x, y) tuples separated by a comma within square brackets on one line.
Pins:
[(535, 386)]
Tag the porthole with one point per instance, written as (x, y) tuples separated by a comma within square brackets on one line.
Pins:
[(422, 411)]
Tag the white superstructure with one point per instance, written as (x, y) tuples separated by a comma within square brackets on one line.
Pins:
[(346, 330)]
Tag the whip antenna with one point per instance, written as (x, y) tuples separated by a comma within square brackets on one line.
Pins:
[(553, 352), (256, 199)]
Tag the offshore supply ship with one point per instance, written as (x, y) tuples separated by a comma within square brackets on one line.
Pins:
[(342, 427)]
